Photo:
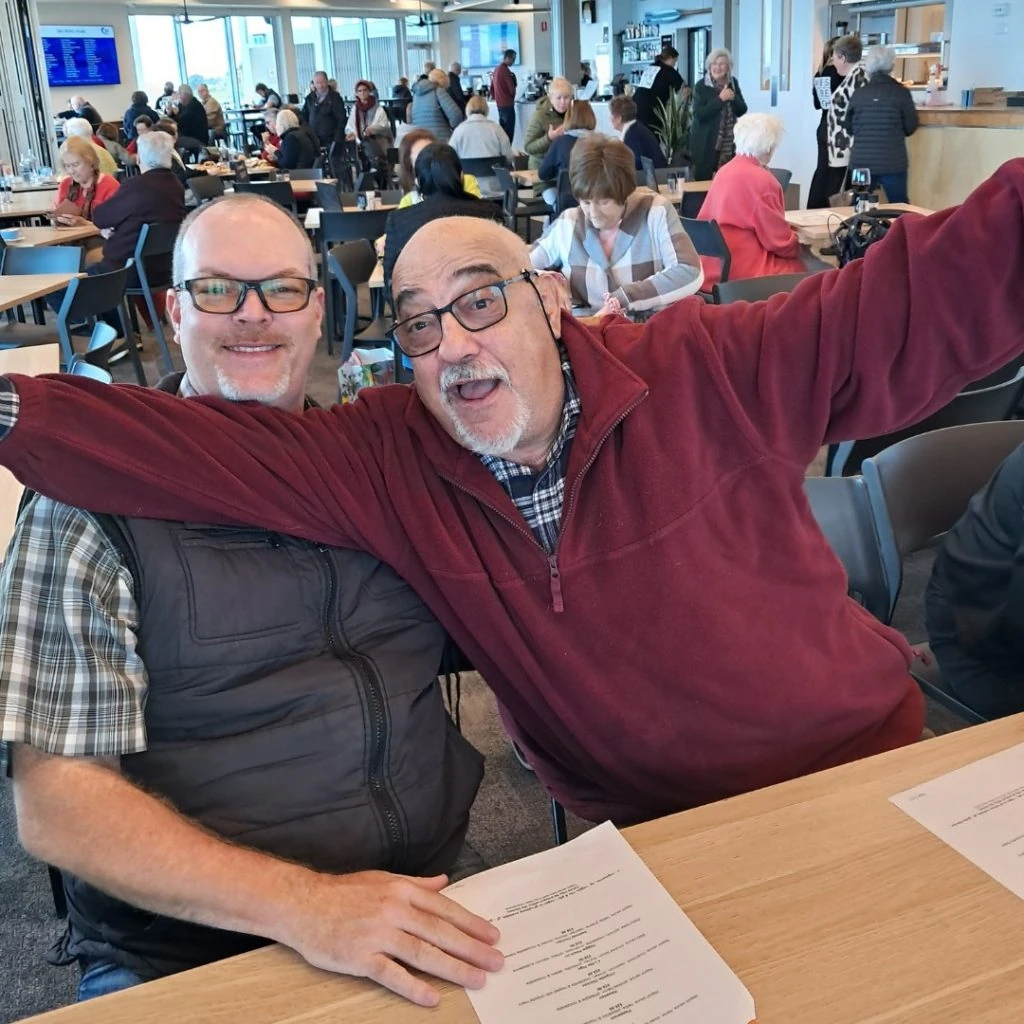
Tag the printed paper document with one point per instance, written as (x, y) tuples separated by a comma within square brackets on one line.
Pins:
[(589, 935), (979, 811)]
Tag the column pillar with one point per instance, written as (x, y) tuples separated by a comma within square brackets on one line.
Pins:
[(565, 38), (25, 109)]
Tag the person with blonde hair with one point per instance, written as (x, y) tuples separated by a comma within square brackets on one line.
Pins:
[(546, 124), (433, 107), (478, 137), (579, 121), (78, 127), (85, 186), (647, 260), (746, 200), (717, 104)]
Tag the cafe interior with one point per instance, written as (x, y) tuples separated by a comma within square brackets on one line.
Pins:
[(841, 887)]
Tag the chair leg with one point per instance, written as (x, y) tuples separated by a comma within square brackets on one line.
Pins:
[(129, 340), (558, 820), (158, 330)]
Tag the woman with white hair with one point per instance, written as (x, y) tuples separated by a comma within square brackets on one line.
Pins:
[(297, 149), (717, 103), (746, 200), (79, 127), (880, 117)]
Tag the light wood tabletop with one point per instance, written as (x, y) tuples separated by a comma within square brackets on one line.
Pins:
[(312, 221), (32, 361), (830, 904), (33, 238), (18, 288), (377, 277), (530, 177), (27, 204), (816, 226)]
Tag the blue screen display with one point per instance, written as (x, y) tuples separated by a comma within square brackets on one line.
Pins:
[(483, 45), (80, 55)]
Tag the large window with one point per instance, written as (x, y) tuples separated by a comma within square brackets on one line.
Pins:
[(156, 53), (312, 38), (349, 61), (204, 46), (255, 54), (419, 45), (382, 53)]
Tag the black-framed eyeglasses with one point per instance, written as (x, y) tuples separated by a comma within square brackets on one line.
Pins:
[(226, 294), (475, 310)]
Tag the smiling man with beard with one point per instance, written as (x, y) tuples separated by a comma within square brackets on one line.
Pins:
[(225, 737)]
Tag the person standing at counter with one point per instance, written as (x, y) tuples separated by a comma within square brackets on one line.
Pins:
[(546, 123), (717, 104), (880, 117), (846, 58), (503, 91), (826, 80), (659, 81)]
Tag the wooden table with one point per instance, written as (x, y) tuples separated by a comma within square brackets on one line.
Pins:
[(815, 227), (530, 177), (50, 185), (33, 238), (377, 277), (829, 903), (27, 204), (32, 361), (16, 289)]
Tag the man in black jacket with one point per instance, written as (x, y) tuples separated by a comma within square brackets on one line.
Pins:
[(140, 108), (191, 117), (298, 147), (658, 82), (245, 740), (880, 117), (79, 106), (324, 112), (455, 89)]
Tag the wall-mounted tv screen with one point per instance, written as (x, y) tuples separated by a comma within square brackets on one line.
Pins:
[(483, 45), (80, 55)]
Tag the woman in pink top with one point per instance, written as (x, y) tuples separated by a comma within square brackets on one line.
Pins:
[(746, 200)]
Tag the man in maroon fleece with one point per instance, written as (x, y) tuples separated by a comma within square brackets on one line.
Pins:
[(612, 526)]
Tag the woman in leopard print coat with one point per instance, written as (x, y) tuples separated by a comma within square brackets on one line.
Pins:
[(846, 58)]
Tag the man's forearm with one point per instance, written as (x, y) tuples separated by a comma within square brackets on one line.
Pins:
[(89, 820)]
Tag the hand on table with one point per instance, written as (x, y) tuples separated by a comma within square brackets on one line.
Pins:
[(371, 923)]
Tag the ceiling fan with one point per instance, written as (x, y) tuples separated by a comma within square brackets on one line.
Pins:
[(424, 22), (186, 19)]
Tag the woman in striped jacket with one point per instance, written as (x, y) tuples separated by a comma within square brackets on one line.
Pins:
[(622, 249)]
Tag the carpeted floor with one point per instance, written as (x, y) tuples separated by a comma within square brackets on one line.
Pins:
[(511, 817)]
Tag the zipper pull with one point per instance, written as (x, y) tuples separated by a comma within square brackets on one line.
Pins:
[(556, 585)]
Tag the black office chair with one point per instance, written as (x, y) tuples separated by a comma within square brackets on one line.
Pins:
[(279, 192), (755, 289), (352, 264), (206, 187), (709, 241), (984, 405), (328, 197), (55, 259), (483, 166), (87, 298), (782, 176), (152, 271), (691, 203), (514, 208), (843, 511), (306, 174)]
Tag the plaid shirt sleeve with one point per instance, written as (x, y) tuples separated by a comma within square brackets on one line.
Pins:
[(71, 680), (8, 405)]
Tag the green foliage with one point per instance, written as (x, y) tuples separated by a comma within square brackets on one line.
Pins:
[(672, 126)]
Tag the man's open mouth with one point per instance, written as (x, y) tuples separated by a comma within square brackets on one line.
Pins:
[(475, 390)]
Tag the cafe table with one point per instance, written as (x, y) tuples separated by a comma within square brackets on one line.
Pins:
[(27, 204), (16, 289), (815, 227), (37, 238), (829, 903), (530, 177), (312, 220)]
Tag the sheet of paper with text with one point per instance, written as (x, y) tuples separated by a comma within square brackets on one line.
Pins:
[(589, 934), (979, 811)]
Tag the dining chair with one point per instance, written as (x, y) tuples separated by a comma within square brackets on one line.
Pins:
[(152, 272), (755, 289), (279, 192), (206, 187), (709, 241)]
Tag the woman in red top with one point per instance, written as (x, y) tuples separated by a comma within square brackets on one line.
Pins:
[(746, 200), (84, 187)]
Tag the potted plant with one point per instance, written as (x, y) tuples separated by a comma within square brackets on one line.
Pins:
[(672, 128)]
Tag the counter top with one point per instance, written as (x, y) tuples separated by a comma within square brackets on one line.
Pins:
[(971, 117)]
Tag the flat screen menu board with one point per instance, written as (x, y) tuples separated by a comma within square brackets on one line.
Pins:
[(483, 45), (80, 55)]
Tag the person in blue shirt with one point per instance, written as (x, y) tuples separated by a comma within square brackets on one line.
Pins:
[(635, 134)]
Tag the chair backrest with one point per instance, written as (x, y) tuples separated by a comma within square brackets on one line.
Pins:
[(509, 194), (754, 289), (483, 166), (520, 161), (661, 174), (843, 511), (351, 264), (368, 181), (984, 405), (782, 176), (391, 196), (152, 256), (93, 295), (708, 240), (691, 203), (348, 227), (306, 173), (650, 177), (56, 259), (127, 171), (279, 192), (80, 368), (564, 199), (327, 194), (206, 187)]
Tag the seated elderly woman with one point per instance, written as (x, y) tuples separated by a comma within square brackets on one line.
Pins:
[(297, 147), (84, 188), (623, 249), (478, 137), (409, 151), (746, 200), (78, 127)]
